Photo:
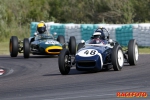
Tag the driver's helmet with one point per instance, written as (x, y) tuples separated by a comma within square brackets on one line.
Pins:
[(97, 35), (41, 27)]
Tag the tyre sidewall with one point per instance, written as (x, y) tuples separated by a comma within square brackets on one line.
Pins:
[(61, 40), (61, 62), (131, 52), (26, 48), (115, 62), (72, 45), (13, 46)]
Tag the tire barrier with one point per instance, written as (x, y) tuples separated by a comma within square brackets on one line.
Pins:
[(119, 32)]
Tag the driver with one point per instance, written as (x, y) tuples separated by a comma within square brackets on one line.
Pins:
[(41, 30), (100, 32), (98, 37)]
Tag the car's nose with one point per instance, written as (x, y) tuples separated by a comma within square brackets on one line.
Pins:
[(53, 50)]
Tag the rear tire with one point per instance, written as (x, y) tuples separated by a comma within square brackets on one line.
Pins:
[(117, 58), (13, 46), (61, 40), (72, 45), (133, 52), (26, 48), (64, 67)]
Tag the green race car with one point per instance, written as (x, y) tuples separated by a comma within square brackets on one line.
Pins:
[(42, 44)]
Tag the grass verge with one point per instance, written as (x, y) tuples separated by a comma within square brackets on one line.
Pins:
[(4, 48)]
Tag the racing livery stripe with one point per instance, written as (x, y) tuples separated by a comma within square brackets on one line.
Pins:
[(101, 60), (1, 71)]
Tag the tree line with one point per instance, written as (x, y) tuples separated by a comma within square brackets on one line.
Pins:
[(15, 15)]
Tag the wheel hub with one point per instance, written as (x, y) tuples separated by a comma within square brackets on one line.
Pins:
[(136, 52), (120, 58), (67, 61)]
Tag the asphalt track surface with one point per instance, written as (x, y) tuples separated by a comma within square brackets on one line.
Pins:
[(38, 78)]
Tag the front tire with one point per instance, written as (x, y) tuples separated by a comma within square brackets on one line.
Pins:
[(72, 45), (117, 58), (13, 46), (133, 52), (26, 48), (64, 66)]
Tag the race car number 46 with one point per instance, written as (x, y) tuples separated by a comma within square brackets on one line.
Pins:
[(51, 42), (87, 52)]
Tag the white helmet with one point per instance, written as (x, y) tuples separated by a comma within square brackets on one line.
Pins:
[(96, 33)]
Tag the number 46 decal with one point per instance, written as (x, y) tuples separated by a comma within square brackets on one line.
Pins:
[(92, 52)]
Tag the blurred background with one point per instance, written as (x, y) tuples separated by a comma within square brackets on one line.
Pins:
[(16, 15)]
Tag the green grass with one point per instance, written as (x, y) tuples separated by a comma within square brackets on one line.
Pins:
[(4, 49), (144, 50)]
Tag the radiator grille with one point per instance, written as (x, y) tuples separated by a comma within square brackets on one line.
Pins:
[(87, 63), (54, 50)]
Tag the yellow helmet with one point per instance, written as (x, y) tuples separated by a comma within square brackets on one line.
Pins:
[(41, 27)]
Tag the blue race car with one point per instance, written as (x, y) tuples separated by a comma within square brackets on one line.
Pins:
[(97, 53)]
